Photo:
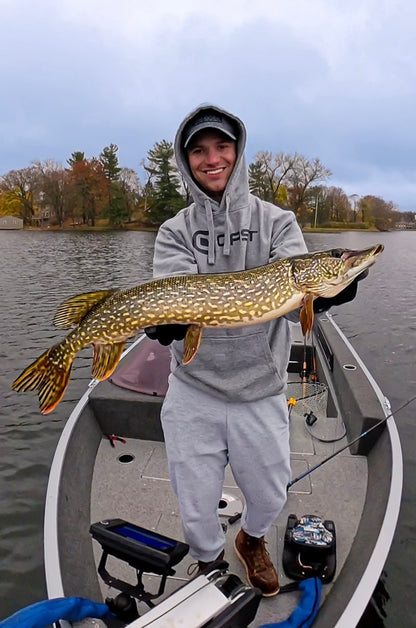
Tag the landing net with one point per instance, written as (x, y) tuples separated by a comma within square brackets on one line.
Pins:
[(306, 397)]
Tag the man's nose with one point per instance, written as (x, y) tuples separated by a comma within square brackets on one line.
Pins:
[(212, 156)]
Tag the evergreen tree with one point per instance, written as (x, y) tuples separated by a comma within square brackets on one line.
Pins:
[(117, 210), (256, 179), (166, 199), (109, 161), (117, 206), (75, 158)]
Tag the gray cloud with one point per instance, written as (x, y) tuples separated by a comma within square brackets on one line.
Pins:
[(336, 83)]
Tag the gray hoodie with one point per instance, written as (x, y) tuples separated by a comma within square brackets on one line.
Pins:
[(240, 232)]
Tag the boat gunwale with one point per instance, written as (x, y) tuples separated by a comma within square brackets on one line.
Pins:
[(53, 577), (359, 599), (358, 602)]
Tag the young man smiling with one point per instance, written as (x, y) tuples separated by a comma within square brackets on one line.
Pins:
[(228, 406), (211, 156)]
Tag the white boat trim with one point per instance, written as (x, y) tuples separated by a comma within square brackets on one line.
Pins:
[(54, 583), (51, 549), (359, 601)]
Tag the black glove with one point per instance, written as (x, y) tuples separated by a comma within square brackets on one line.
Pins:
[(322, 304), (164, 334)]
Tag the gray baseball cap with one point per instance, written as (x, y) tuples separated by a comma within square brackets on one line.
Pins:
[(208, 119)]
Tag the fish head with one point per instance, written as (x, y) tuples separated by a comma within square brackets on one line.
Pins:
[(327, 273)]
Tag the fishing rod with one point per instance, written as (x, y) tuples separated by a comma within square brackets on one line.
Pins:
[(355, 440)]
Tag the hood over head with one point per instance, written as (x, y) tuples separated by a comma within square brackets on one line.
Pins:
[(208, 119), (236, 193)]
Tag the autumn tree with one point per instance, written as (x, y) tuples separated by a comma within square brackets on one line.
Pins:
[(328, 204), (378, 212), (10, 205), (88, 189), (22, 186)]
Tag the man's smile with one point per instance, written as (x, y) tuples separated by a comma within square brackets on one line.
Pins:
[(214, 172)]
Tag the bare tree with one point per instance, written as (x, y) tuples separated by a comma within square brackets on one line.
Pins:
[(132, 189), (300, 177), (53, 180), (268, 173)]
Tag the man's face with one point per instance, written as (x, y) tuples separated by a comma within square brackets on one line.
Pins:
[(212, 156)]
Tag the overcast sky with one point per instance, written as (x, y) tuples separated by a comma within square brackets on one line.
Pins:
[(324, 78)]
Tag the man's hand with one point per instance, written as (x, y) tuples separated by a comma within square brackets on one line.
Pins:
[(165, 334), (321, 304)]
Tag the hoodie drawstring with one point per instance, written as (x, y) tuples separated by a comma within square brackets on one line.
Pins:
[(227, 235), (211, 231)]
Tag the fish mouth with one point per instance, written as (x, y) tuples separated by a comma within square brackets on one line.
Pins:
[(354, 263), (358, 261), (362, 256)]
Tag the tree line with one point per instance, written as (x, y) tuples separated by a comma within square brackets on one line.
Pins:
[(87, 190)]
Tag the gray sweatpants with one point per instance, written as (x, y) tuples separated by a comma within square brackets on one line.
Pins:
[(203, 434)]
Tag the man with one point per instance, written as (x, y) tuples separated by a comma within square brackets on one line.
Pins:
[(228, 405)]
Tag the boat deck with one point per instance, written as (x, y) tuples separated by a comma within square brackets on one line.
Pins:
[(139, 491)]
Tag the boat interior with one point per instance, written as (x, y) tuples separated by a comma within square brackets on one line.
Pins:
[(101, 480)]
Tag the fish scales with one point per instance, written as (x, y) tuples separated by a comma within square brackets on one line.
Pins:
[(207, 300), (106, 319)]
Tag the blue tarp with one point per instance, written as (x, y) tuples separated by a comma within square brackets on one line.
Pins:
[(47, 612), (43, 614), (304, 614)]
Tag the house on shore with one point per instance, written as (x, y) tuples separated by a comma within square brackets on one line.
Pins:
[(11, 222)]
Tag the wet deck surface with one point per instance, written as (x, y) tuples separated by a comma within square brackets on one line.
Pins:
[(140, 492)]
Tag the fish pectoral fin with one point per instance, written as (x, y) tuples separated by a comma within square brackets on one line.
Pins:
[(73, 310), (306, 314), (191, 343), (106, 357)]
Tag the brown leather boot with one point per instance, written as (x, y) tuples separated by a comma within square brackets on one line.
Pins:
[(259, 568)]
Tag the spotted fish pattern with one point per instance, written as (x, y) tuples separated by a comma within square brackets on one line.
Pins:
[(106, 319)]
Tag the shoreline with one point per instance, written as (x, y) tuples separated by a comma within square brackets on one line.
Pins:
[(99, 228)]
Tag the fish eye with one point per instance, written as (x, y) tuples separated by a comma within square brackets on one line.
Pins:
[(337, 252)]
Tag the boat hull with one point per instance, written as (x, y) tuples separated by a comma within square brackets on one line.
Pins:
[(361, 491)]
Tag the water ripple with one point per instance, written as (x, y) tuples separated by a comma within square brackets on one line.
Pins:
[(40, 269)]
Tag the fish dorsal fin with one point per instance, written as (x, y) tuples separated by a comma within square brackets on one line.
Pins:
[(106, 357), (191, 343), (306, 314), (73, 310)]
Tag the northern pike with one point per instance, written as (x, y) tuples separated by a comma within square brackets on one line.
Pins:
[(106, 319)]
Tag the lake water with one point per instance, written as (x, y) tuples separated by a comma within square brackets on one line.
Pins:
[(40, 269)]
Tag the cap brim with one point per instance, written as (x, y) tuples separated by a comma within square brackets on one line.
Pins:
[(206, 125)]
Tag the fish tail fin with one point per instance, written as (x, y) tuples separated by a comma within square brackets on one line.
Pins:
[(106, 357), (49, 375)]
